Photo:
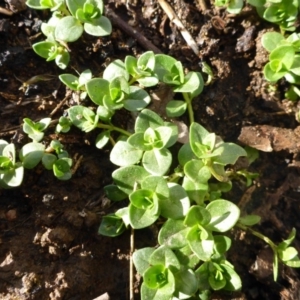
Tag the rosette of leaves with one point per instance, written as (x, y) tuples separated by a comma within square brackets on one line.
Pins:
[(87, 120), (69, 20), (159, 268), (11, 172), (114, 92), (51, 48), (59, 162), (53, 5), (142, 69), (90, 13), (284, 58), (77, 83), (170, 71), (149, 144), (184, 244), (204, 156), (281, 12), (232, 6), (35, 130)]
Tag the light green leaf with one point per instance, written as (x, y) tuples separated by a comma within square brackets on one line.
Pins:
[(177, 204), (68, 29), (123, 154), (157, 161), (224, 215), (129, 178), (141, 259), (99, 27), (173, 234)]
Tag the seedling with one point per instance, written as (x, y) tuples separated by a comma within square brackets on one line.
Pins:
[(182, 190), (35, 130), (67, 24), (11, 172), (76, 83), (284, 59), (281, 12), (232, 6)]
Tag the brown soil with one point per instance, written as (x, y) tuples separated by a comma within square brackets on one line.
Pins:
[(49, 246)]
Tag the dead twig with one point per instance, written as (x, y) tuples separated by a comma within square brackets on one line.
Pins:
[(202, 5), (175, 20), (141, 39), (59, 105), (131, 291), (5, 11)]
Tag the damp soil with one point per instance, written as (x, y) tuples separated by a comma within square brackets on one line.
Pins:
[(49, 246)]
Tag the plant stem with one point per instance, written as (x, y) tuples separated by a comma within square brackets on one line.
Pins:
[(112, 127), (259, 235), (188, 101), (131, 294)]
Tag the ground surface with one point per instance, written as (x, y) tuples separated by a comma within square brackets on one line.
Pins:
[(49, 247)]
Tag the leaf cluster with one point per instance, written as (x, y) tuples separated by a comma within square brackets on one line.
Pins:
[(122, 85), (68, 21), (284, 13), (192, 231), (284, 60), (31, 154), (281, 12)]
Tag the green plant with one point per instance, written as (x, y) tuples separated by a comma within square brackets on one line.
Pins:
[(68, 21), (284, 59), (281, 12), (35, 130), (11, 172), (195, 218), (77, 83), (31, 154), (180, 189), (232, 6)]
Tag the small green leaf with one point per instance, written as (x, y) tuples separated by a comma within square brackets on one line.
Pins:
[(203, 248), (177, 204), (115, 69), (48, 160), (141, 259), (137, 99), (228, 153), (114, 193), (157, 161), (270, 40), (196, 171), (222, 244), (224, 215), (97, 88), (141, 218), (176, 108), (102, 139), (98, 27), (129, 178), (166, 257), (250, 220), (68, 29), (147, 118), (111, 225), (173, 234), (123, 154), (31, 154)]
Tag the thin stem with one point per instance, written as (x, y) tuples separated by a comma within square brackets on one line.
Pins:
[(132, 80), (259, 235), (188, 101), (131, 294), (112, 127)]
